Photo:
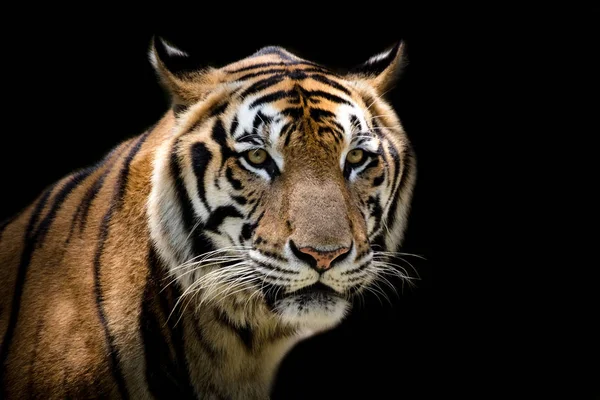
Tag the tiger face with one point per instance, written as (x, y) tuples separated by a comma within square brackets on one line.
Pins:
[(283, 185)]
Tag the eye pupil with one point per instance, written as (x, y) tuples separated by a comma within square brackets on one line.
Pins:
[(355, 156), (257, 156)]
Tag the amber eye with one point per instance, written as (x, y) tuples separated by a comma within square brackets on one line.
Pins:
[(257, 156), (355, 156)]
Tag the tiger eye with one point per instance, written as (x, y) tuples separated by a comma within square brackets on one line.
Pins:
[(355, 156), (257, 156)]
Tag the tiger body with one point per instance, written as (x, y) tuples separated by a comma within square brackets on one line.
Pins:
[(176, 267)]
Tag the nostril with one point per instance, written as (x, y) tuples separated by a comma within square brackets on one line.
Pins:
[(342, 255), (320, 260), (307, 258)]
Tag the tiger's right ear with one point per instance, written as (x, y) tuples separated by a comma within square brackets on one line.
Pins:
[(179, 73)]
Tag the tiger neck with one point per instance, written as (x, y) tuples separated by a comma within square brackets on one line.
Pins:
[(242, 356)]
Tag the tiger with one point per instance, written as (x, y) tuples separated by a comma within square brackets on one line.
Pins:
[(193, 257)]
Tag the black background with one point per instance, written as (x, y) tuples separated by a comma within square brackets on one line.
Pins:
[(78, 86)]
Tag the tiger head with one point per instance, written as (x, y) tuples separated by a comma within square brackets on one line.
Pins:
[(282, 186)]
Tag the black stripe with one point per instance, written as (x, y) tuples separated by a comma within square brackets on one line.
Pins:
[(376, 211), (75, 180), (396, 161), (161, 371), (408, 166), (378, 242), (167, 372), (276, 64), (357, 270), (219, 135), (259, 65), (391, 217), (270, 292), (114, 366), (208, 347), (30, 233), (319, 114), (83, 209), (273, 267), (32, 241), (272, 97), (297, 75), (179, 109), (326, 95), (337, 125), (285, 129), (253, 208), (240, 200), (124, 175), (259, 118), (287, 132), (90, 196), (187, 211), (325, 80), (396, 177), (286, 71), (103, 235), (277, 71), (378, 180), (293, 112), (326, 131), (234, 125), (373, 163), (355, 123), (367, 100), (201, 157), (244, 333), (7, 222), (200, 244), (219, 109), (247, 231), (249, 137), (235, 183), (20, 281), (355, 279), (219, 215), (262, 85)]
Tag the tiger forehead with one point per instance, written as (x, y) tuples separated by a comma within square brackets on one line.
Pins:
[(285, 102)]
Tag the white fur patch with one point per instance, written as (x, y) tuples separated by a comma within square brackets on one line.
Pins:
[(313, 313), (164, 213)]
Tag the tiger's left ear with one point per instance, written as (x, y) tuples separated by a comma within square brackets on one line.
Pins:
[(179, 73), (382, 70)]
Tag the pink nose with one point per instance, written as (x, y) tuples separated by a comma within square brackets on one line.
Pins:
[(324, 258)]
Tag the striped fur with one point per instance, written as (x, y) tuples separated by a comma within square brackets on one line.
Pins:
[(176, 267)]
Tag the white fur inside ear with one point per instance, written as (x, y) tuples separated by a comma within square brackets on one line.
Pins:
[(378, 57), (171, 52), (152, 57)]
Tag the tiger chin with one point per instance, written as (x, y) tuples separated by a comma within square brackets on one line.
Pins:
[(193, 257)]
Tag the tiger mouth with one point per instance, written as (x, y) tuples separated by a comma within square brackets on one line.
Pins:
[(317, 289)]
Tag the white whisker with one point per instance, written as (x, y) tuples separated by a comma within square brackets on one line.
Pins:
[(377, 98)]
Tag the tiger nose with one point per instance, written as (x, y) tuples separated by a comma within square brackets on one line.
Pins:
[(320, 260)]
